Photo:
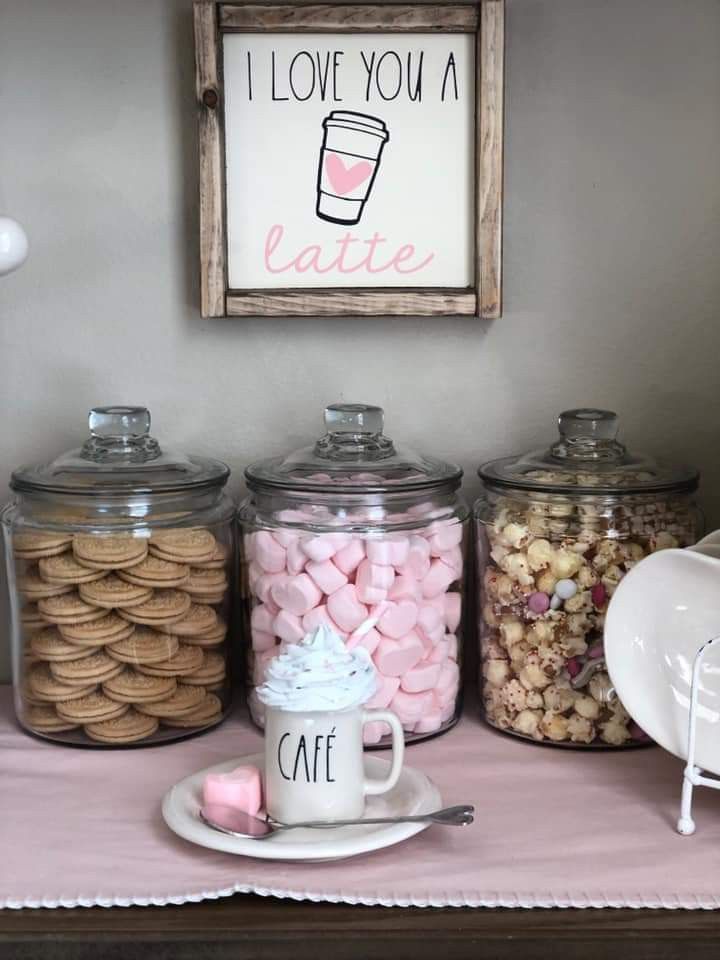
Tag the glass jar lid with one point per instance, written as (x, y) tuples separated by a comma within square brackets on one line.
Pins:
[(354, 456), (587, 459), (120, 457)]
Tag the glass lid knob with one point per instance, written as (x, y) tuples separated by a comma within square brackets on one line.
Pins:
[(355, 418), (354, 433), (588, 434), (120, 434)]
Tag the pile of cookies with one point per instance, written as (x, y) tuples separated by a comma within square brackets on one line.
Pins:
[(121, 633)]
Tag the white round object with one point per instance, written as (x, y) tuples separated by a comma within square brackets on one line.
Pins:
[(13, 245), (566, 589), (414, 793), (660, 615)]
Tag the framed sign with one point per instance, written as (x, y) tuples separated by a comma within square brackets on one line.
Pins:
[(350, 158)]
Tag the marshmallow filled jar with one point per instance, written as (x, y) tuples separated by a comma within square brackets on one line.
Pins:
[(370, 540), (557, 530), (121, 563)]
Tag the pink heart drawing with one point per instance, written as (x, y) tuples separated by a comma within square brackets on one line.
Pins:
[(344, 179)]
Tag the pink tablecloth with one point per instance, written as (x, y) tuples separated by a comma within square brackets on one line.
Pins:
[(554, 829)]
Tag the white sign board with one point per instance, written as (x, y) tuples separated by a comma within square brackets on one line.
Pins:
[(349, 160)]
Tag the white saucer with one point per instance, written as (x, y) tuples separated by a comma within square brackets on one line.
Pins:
[(662, 612), (413, 793)]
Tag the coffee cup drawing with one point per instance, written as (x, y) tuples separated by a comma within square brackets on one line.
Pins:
[(349, 160)]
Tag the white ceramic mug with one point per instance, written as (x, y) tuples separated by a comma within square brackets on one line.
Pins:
[(314, 763)]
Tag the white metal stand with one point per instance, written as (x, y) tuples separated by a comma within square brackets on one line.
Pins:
[(693, 775)]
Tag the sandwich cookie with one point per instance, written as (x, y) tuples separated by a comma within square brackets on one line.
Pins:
[(164, 608), (185, 660), (96, 668), (209, 711), (48, 689), (31, 619), (112, 592), (45, 719), (145, 646), (108, 629), (192, 545), (183, 700), (33, 587), (198, 619), (218, 559), (40, 543), (212, 670), (66, 569), (93, 708), (152, 572), (206, 586), (68, 608), (109, 552), (212, 637), (49, 644), (133, 687), (129, 728)]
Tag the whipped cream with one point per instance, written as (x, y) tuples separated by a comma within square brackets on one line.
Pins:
[(319, 673)]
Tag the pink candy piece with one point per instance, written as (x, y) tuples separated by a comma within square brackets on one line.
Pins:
[(538, 602), (372, 581), (421, 677), (405, 588), (599, 595), (326, 575), (452, 642), (296, 594), (255, 571), (430, 624), (345, 608), (453, 610), (288, 627), (445, 537), (375, 731), (262, 641), (388, 552), (386, 690), (417, 563), (262, 618), (265, 585), (437, 654), (573, 667), (595, 651), (394, 658), (325, 545), (285, 537), (369, 640), (448, 682), (398, 619), (410, 707), (241, 788), (454, 559), (438, 579), (430, 722), (317, 616), (349, 558), (296, 558), (268, 552)]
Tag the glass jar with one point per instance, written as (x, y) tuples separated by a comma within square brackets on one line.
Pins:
[(369, 539), (556, 532), (120, 563)]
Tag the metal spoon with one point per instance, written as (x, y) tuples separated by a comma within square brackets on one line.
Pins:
[(237, 823)]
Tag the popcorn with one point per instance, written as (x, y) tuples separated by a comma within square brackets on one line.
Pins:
[(539, 555), (600, 688), (554, 726), (511, 631), (514, 696), (515, 535), (565, 564), (527, 722), (614, 733), (558, 698), (580, 730), (496, 672), (587, 707), (516, 566), (546, 582)]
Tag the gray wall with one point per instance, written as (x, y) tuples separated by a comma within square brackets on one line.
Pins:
[(611, 249)]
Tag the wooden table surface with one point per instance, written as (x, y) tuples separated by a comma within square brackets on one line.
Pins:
[(255, 928)]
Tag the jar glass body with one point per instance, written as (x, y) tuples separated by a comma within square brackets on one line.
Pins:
[(547, 565), (386, 570), (71, 636)]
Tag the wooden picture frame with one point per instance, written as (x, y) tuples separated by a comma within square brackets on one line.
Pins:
[(482, 18)]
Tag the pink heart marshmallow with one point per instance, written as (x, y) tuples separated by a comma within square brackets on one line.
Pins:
[(345, 608), (269, 553), (372, 581), (393, 658), (398, 619), (241, 788), (349, 558), (297, 594), (438, 579), (288, 627), (421, 677), (326, 575)]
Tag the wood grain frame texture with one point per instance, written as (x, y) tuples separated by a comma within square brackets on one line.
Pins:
[(485, 19)]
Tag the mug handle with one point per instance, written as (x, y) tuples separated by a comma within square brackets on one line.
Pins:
[(374, 787)]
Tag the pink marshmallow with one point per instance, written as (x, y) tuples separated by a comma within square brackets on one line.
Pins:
[(325, 545), (262, 641), (288, 627), (453, 610), (265, 584), (431, 722), (241, 788), (388, 552), (394, 658), (430, 624), (421, 677), (296, 558), (417, 563), (345, 608), (454, 559), (372, 581), (452, 643), (448, 683), (268, 552), (349, 558), (398, 619), (317, 616), (262, 618), (448, 711), (445, 537), (405, 588), (410, 707), (438, 579), (285, 537), (369, 640), (438, 653), (374, 732), (254, 572), (386, 690), (326, 575), (297, 594)]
